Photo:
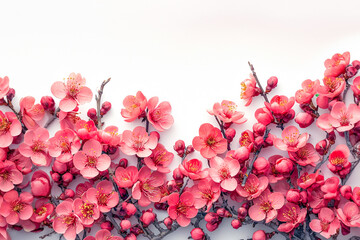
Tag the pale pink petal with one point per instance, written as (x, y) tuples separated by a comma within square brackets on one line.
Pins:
[(58, 89), (67, 104)]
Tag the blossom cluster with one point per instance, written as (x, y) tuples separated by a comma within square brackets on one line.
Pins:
[(124, 179)]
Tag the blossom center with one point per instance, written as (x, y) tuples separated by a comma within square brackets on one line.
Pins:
[(265, 206), (224, 173), (69, 220), (87, 210), (4, 125), (40, 211), (290, 214), (91, 161), (38, 146), (18, 206)]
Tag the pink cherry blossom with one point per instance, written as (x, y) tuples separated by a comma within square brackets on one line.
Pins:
[(292, 215), (210, 142), (227, 113), (266, 206), (160, 159), (264, 116), (327, 224), (291, 140), (249, 90), (160, 116), (241, 154), (309, 88), (192, 168), (206, 192), (35, 146), (134, 106), (23, 164), (40, 184), (341, 118), (349, 214), (72, 93), (126, 177), (247, 140), (15, 208), (330, 188), (138, 142), (4, 86), (355, 87), (90, 161), (9, 176), (147, 189), (31, 113), (103, 234), (110, 135), (181, 208), (338, 160), (306, 155), (68, 120), (67, 222), (280, 105), (223, 171), (64, 145), (253, 187), (337, 64), (86, 130), (104, 195), (42, 210), (10, 127), (87, 209), (333, 87)]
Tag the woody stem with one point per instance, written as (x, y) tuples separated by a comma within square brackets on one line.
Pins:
[(98, 102)]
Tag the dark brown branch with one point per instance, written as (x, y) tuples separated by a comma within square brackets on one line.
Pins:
[(98, 102)]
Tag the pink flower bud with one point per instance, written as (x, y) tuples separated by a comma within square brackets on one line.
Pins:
[(264, 116), (179, 147), (230, 134), (284, 165), (168, 223), (259, 235), (125, 225), (48, 103), (212, 218), (55, 176), (59, 167), (107, 225), (272, 82), (123, 163), (356, 64), (345, 230), (304, 196), (242, 212), (69, 193), (261, 165), (351, 71), (177, 175), (331, 138), (259, 129), (92, 114), (106, 106), (131, 236), (130, 209), (197, 234), (346, 192), (304, 119), (270, 140), (293, 195), (221, 212), (322, 147), (259, 141), (189, 149), (67, 177), (212, 227), (236, 223), (289, 116), (147, 218), (40, 184), (10, 94)]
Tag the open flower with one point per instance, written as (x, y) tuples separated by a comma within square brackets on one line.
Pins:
[(134, 106), (292, 215), (349, 214), (337, 64), (306, 155), (160, 116), (42, 210), (266, 206), (67, 222), (15, 208), (210, 142), (64, 145), (4, 86), (223, 171), (9, 176), (138, 142), (341, 118), (192, 168), (309, 88), (126, 177), (226, 112), (327, 224), (71, 93), (35, 146), (90, 160), (10, 127), (205, 192), (338, 160), (160, 159), (333, 87), (31, 113), (147, 189), (181, 208), (280, 105), (254, 186), (87, 209), (249, 89), (291, 140), (104, 195)]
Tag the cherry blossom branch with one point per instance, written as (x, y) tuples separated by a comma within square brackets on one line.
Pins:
[(98, 102), (258, 82), (221, 125), (52, 119)]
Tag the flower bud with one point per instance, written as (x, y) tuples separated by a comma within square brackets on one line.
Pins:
[(284, 165), (289, 116), (130, 236), (55, 176), (259, 129), (106, 106), (293, 195), (356, 64), (59, 167), (197, 234), (168, 223), (236, 223), (69, 193), (92, 114), (48, 103), (346, 192), (269, 141), (40, 184), (177, 175), (331, 138), (147, 218), (321, 147), (261, 165), (242, 212), (304, 119), (130, 209), (107, 225), (259, 235), (264, 116), (230, 134), (67, 177), (10, 94), (179, 147), (125, 225), (272, 83), (123, 163), (351, 71)]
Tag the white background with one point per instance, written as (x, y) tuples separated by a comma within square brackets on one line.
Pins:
[(190, 53)]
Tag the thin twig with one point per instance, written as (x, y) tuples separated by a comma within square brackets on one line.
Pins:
[(258, 82), (98, 102), (52, 119), (221, 125)]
